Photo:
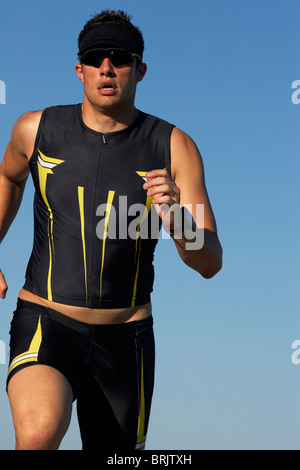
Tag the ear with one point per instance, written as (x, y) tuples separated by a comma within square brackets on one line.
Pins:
[(79, 72), (141, 72)]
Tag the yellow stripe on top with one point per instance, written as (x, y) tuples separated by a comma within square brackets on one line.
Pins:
[(32, 354), (138, 246), (81, 211), (141, 436), (45, 165), (109, 201)]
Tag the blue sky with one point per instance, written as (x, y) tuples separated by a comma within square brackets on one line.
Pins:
[(222, 71)]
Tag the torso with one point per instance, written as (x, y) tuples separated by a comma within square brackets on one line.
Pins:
[(93, 314)]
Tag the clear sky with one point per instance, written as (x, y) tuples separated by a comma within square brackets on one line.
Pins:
[(222, 71)]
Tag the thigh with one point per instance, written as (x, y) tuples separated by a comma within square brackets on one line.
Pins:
[(41, 402), (99, 427), (41, 375), (114, 409), (40, 336)]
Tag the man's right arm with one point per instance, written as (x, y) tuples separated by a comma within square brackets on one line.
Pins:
[(14, 171)]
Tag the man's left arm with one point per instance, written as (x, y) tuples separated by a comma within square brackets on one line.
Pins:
[(186, 186)]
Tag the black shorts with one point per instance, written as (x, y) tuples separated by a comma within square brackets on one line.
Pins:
[(109, 367)]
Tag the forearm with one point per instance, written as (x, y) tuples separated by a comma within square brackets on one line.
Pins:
[(11, 194), (203, 253)]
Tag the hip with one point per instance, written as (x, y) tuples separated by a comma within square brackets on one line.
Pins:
[(93, 316)]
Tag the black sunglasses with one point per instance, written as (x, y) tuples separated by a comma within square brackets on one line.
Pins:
[(117, 57)]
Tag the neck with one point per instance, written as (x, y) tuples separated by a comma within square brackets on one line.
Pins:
[(107, 120)]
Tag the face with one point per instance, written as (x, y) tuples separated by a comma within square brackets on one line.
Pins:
[(108, 86)]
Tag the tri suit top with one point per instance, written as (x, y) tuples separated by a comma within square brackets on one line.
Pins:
[(94, 239)]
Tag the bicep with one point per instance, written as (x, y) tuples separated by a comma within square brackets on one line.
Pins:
[(188, 173), (14, 166)]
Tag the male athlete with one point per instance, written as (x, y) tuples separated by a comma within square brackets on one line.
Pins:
[(82, 328)]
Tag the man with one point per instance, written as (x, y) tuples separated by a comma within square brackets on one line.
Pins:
[(83, 318)]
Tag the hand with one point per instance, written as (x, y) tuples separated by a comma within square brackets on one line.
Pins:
[(161, 186), (165, 194), (3, 285)]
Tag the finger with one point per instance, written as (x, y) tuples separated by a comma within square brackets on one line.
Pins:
[(163, 199), (160, 189), (156, 173), (155, 182)]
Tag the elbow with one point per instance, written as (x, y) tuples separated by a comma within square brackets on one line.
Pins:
[(211, 271), (207, 260), (207, 269), (212, 268)]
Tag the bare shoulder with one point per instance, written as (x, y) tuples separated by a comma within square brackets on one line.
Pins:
[(184, 153), (24, 132), (188, 170), (14, 165)]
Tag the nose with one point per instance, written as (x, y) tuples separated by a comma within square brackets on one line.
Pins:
[(106, 68)]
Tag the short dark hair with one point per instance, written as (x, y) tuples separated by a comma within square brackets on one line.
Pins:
[(115, 17)]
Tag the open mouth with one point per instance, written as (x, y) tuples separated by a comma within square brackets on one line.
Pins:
[(107, 86)]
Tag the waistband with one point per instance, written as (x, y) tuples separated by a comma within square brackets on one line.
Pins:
[(111, 329)]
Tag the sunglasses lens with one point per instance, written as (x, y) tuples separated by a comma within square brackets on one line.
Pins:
[(92, 58), (117, 57), (120, 58)]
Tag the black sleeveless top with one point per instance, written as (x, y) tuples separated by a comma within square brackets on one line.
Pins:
[(94, 229)]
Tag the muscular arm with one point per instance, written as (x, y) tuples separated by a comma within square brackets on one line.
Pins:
[(14, 170), (186, 186)]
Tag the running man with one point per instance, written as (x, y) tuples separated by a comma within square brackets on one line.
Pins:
[(83, 326)]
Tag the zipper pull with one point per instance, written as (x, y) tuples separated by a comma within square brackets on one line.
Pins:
[(104, 139)]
